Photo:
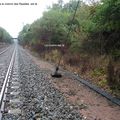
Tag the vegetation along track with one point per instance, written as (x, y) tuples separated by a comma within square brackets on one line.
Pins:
[(95, 88)]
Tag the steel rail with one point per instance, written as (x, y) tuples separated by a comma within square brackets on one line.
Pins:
[(4, 50), (5, 84)]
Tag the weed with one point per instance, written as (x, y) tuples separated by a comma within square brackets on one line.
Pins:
[(102, 83), (98, 72)]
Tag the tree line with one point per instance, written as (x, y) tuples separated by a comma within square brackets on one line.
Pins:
[(94, 31), (5, 36)]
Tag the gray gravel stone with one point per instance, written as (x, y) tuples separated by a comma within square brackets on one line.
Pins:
[(39, 99)]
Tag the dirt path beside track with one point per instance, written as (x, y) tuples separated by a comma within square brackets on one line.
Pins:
[(90, 104)]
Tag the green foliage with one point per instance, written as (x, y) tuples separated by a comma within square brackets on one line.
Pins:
[(108, 15), (52, 27), (102, 83), (5, 36), (71, 6), (95, 28), (104, 27), (24, 35), (54, 22), (98, 72)]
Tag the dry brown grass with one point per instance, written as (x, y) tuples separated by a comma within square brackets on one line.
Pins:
[(92, 68)]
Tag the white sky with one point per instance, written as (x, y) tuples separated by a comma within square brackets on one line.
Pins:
[(13, 17)]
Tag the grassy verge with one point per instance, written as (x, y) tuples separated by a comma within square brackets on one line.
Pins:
[(92, 68)]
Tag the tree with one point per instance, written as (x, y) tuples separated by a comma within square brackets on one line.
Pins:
[(5, 36), (107, 18)]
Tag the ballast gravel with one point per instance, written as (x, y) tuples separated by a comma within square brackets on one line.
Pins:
[(40, 100)]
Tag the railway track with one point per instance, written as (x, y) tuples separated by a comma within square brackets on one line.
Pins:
[(4, 50), (18, 96), (5, 57), (10, 82)]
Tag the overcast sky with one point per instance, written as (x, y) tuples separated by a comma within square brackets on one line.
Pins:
[(13, 17)]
